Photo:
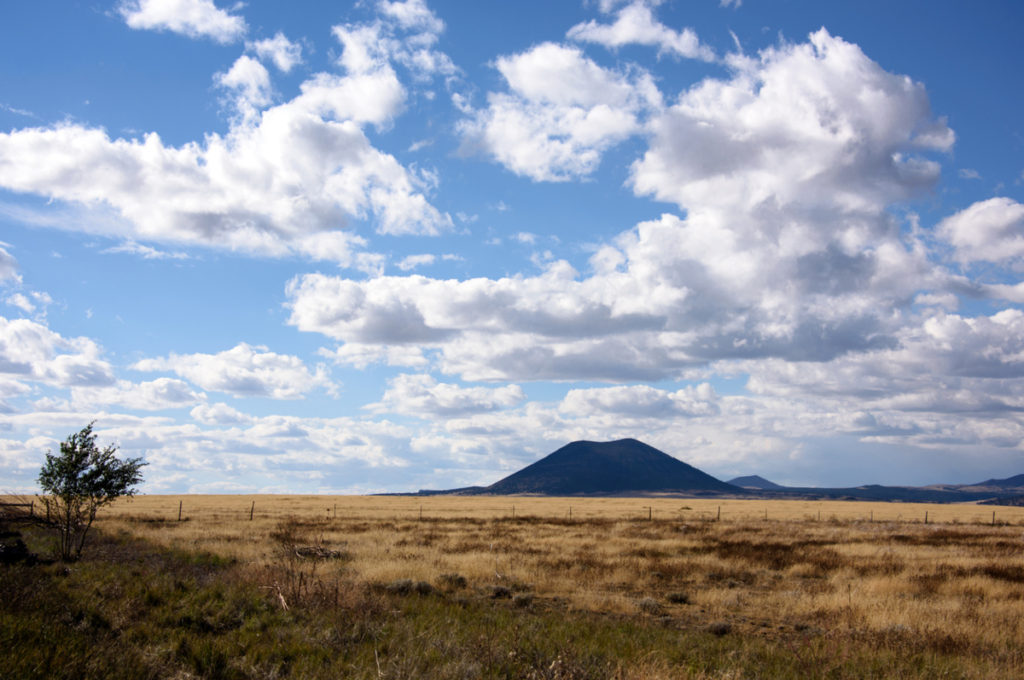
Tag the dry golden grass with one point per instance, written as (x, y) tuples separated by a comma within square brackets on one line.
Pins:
[(866, 570)]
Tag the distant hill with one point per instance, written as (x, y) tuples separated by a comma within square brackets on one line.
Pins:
[(877, 492), (1015, 482), (755, 482), (600, 468)]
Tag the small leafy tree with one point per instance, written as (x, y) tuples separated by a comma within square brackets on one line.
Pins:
[(81, 480)]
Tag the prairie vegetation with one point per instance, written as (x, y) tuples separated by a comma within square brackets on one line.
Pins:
[(637, 588)]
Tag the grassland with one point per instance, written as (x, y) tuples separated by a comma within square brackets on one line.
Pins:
[(566, 588)]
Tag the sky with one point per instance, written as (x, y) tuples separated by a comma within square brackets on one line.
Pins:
[(331, 247)]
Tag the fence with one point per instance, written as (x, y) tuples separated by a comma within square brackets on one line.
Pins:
[(9, 510), (527, 509)]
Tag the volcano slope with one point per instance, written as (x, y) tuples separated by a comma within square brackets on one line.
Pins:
[(609, 468)]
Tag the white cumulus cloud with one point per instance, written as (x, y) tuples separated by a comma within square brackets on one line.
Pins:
[(422, 395), (805, 126), (635, 24), (360, 355), (219, 414), (283, 52), (988, 231), (561, 113), (30, 303), (244, 371), (412, 14), (642, 400), (282, 186), (284, 180), (154, 395), (249, 80), (192, 18), (29, 351), (787, 169), (411, 262)]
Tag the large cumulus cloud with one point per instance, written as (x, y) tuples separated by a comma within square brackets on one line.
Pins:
[(285, 179), (786, 171)]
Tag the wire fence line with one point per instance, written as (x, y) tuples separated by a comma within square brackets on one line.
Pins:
[(326, 509)]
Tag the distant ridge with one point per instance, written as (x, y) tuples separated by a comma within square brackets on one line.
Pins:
[(604, 468), (1015, 482), (756, 482)]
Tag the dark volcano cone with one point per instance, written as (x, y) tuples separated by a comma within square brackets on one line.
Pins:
[(608, 468)]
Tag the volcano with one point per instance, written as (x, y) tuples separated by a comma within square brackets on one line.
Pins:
[(609, 468)]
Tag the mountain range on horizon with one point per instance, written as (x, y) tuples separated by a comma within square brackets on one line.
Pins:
[(628, 467), (1013, 484)]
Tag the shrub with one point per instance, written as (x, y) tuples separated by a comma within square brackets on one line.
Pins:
[(649, 605), (720, 628), (81, 480), (453, 581), (402, 586), (678, 598)]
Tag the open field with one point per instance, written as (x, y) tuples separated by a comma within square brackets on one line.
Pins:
[(824, 589), (873, 568)]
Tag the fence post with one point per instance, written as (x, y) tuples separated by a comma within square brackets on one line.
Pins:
[(251, 509), (719, 513), (179, 511)]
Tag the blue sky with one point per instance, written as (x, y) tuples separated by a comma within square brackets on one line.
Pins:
[(386, 246)]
